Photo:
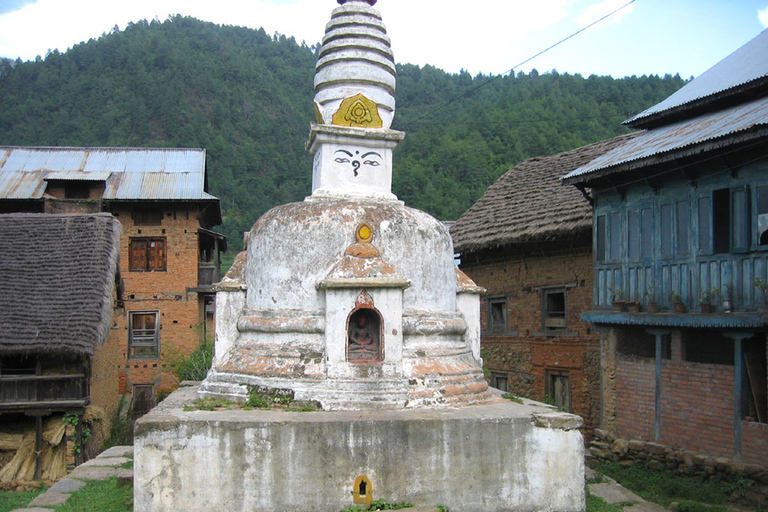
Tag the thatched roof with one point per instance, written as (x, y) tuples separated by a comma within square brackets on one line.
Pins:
[(529, 203), (57, 276)]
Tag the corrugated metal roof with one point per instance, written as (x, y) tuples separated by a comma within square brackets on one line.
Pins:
[(680, 135), (129, 173), (748, 63)]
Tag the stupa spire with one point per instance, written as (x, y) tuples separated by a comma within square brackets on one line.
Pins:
[(352, 141)]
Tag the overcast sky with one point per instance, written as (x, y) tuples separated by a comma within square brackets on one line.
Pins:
[(486, 36)]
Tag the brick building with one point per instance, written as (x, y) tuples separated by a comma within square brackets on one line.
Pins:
[(169, 257), (528, 242), (681, 224)]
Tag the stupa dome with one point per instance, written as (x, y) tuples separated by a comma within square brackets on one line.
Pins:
[(355, 72)]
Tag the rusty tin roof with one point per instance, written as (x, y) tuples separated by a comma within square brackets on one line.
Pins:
[(128, 173)]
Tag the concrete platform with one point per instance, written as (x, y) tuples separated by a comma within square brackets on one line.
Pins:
[(486, 458)]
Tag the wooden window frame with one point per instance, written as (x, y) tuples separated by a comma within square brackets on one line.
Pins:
[(502, 325), (146, 339), (550, 389), (145, 262)]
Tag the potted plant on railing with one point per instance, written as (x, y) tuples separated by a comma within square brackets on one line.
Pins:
[(678, 306), (616, 300), (650, 295), (762, 285), (707, 296), (633, 306)]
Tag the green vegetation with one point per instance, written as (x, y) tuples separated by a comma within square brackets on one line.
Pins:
[(382, 505), (246, 97), (597, 504), (73, 420), (514, 398), (664, 487), (104, 496), (256, 400), (11, 500)]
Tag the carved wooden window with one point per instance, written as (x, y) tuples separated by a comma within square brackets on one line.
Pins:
[(147, 254), (143, 334), (147, 217)]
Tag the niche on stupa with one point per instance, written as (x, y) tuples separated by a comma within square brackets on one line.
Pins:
[(364, 332)]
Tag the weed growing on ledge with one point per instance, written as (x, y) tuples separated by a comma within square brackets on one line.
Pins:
[(514, 398)]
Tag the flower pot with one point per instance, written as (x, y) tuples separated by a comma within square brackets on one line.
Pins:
[(707, 308), (633, 307), (679, 307), (653, 307), (618, 305)]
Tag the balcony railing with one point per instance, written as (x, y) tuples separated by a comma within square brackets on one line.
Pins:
[(34, 391)]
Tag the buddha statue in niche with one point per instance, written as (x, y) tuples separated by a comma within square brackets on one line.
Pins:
[(364, 336)]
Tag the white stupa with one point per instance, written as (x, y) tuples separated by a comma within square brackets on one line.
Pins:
[(350, 298)]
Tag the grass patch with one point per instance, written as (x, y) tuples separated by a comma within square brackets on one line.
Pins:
[(665, 487), (514, 398), (104, 496), (598, 504), (380, 505), (11, 500)]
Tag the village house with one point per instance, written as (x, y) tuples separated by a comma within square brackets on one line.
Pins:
[(169, 256), (59, 348), (680, 226), (528, 242)]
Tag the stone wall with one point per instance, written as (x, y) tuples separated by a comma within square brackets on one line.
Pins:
[(522, 353), (607, 447)]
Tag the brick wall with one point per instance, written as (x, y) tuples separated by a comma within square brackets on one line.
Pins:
[(635, 398), (697, 398), (754, 442), (521, 353), (163, 291)]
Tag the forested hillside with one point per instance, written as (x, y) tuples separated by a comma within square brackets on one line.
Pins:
[(246, 97)]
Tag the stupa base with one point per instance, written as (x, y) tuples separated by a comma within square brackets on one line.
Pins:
[(499, 456)]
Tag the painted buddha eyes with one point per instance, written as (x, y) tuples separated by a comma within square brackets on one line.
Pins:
[(370, 159)]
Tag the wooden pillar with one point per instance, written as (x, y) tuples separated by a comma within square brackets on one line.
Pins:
[(738, 338), (38, 447)]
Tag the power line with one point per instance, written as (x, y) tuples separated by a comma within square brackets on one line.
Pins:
[(471, 91)]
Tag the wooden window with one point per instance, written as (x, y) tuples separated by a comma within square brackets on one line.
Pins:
[(559, 390), (762, 216), (646, 233), (497, 315), (553, 309), (633, 235), (499, 381), (143, 334), (147, 254), (666, 231), (683, 225), (614, 245), (721, 220), (740, 225), (600, 238), (705, 225)]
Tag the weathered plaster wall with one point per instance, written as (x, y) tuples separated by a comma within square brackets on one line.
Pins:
[(489, 458)]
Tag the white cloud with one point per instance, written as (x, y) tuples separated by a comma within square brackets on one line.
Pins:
[(596, 11), (762, 15)]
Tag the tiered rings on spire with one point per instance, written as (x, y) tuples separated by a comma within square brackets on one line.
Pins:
[(355, 73)]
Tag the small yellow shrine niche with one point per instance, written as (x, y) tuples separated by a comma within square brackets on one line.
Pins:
[(362, 493), (358, 111)]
